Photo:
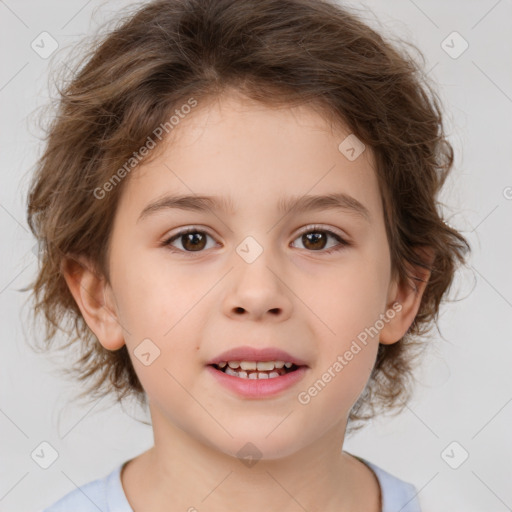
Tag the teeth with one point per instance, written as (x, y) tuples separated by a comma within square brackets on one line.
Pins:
[(253, 375), (229, 371), (254, 369), (248, 365), (260, 375), (263, 366)]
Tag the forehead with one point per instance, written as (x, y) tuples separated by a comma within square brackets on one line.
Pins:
[(253, 157)]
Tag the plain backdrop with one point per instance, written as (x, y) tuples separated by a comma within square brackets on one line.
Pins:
[(453, 440)]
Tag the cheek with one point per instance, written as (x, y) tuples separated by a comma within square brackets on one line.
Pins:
[(349, 300), (152, 296), (164, 305), (348, 296), (335, 386), (344, 367)]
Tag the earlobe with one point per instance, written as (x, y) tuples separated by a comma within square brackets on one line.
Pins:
[(405, 299), (90, 293)]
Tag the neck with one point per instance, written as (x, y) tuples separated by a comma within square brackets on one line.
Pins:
[(193, 476)]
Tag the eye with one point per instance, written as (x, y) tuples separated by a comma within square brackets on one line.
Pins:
[(192, 239), (315, 238)]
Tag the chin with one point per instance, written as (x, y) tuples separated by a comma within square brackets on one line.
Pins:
[(250, 447)]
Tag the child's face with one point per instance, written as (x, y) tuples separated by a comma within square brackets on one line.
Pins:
[(294, 296)]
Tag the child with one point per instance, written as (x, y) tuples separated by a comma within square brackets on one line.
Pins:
[(237, 208)]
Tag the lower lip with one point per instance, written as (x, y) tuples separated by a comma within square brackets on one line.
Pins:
[(258, 388)]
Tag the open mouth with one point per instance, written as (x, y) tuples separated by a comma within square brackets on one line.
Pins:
[(255, 370)]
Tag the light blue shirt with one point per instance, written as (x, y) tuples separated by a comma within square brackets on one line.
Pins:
[(107, 495)]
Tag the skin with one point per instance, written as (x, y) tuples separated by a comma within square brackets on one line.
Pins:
[(294, 297)]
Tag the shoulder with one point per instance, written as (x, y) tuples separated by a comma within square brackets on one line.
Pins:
[(105, 493), (396, 493)]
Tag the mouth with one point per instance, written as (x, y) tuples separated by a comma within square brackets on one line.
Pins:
[(256, 370)]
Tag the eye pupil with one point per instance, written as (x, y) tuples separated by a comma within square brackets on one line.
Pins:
[(315, 236), (193, 237)]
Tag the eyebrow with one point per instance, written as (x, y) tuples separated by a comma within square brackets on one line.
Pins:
[(198, 203)]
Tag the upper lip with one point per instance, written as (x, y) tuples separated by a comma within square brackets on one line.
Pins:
[(247, 353)]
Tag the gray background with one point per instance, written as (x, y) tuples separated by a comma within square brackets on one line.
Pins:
[(465, 389)]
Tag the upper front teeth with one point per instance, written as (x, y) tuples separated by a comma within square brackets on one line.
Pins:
[(255, 365)]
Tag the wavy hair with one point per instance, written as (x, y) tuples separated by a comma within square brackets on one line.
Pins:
[(277, 52)]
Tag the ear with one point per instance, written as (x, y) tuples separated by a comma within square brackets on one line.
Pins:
[(94, 297), (404, 298)]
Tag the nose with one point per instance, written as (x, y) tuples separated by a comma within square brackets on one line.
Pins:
[(258, 292)]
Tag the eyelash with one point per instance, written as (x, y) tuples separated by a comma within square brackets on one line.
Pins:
[(309, 229)]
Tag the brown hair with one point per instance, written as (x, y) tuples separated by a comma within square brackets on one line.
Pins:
[(279, 52)]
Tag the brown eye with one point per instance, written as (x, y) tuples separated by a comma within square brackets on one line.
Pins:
[(316, 240), (192, 240), (313, 240)]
